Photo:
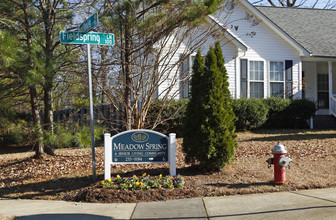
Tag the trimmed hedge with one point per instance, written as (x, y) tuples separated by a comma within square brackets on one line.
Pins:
[(250, 113), (299, 113), (277, 112)]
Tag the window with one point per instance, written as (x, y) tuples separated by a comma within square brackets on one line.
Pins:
[(251, 79), (229, 6), (256, 79), (277, 83), (185, 76)]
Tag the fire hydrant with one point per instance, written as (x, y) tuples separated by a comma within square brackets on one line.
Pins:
[(280, 162)]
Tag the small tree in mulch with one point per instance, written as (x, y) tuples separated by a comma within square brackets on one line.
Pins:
[(209, 132)]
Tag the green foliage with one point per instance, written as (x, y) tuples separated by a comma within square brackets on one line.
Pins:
[(145, 182), (300, 111), (66, 135), (287, 113), (276, 104), (167, 114), (192, 123), (62, 137), (209, 131), (83, 135), (277, 114), (273, 112), (250, 113), (15, 127)]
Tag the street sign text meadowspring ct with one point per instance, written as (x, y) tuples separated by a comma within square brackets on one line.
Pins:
[(74, 37)]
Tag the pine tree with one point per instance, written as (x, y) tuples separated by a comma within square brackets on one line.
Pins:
[(211, 140)]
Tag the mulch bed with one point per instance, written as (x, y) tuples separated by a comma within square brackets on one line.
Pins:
[(68, 175)]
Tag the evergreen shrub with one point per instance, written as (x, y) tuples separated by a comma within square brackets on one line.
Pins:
[(287, 113), (277, 113), (250, 113), (15, 127), (209, 133), (300, 111), (72, 135)]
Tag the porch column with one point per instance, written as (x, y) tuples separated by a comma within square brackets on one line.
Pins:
[(330, 84)]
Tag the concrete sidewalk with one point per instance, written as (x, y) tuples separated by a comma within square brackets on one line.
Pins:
[(310, 204)]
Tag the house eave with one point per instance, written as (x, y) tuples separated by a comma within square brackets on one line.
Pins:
[(301, 50), (227, 33), (318, 58)]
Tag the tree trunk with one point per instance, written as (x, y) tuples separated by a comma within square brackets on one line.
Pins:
[(48, 112), (48, 20), (128, 72), (39, 146)]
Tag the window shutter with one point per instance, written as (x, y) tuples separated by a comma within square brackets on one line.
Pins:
[(289, 78), (243, 78), (184, 81)]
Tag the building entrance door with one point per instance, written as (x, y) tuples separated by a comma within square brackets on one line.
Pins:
[(322, 91)]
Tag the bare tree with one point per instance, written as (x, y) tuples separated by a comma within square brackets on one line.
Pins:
[(153, 38)]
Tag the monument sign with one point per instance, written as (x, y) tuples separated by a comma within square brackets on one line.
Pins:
[(140, 146)]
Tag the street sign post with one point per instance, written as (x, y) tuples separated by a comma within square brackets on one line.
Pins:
[(74, 37), (89, 23), (82, 36)]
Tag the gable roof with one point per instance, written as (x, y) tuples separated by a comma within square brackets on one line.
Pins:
[(268, 22), (226, 32), (313, 29)]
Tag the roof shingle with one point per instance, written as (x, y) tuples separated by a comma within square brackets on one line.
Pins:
[(313, 29)]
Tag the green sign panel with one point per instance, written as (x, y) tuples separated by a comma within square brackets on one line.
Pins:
[(73, 37), (89, 23), (140, 146)]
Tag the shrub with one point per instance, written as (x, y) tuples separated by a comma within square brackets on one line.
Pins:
[(15, 127), (272, 112), (300, 111), (72, 135), (209, 131), (166, 116), (83, 135), (61, 138), (276, 104), (250, 113), (277, 113), (286, 113)]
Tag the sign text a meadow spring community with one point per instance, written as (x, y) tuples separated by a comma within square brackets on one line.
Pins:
[(140, 146)]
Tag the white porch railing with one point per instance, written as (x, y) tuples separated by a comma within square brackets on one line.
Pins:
[(333, 106)]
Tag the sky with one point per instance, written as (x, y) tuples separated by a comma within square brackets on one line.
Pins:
[(305, 3)]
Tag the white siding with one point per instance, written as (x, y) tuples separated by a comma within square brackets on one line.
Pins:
[(263, 44), (229, 53)]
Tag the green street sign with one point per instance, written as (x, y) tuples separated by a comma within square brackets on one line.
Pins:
[(89, 23), (74, 37)]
